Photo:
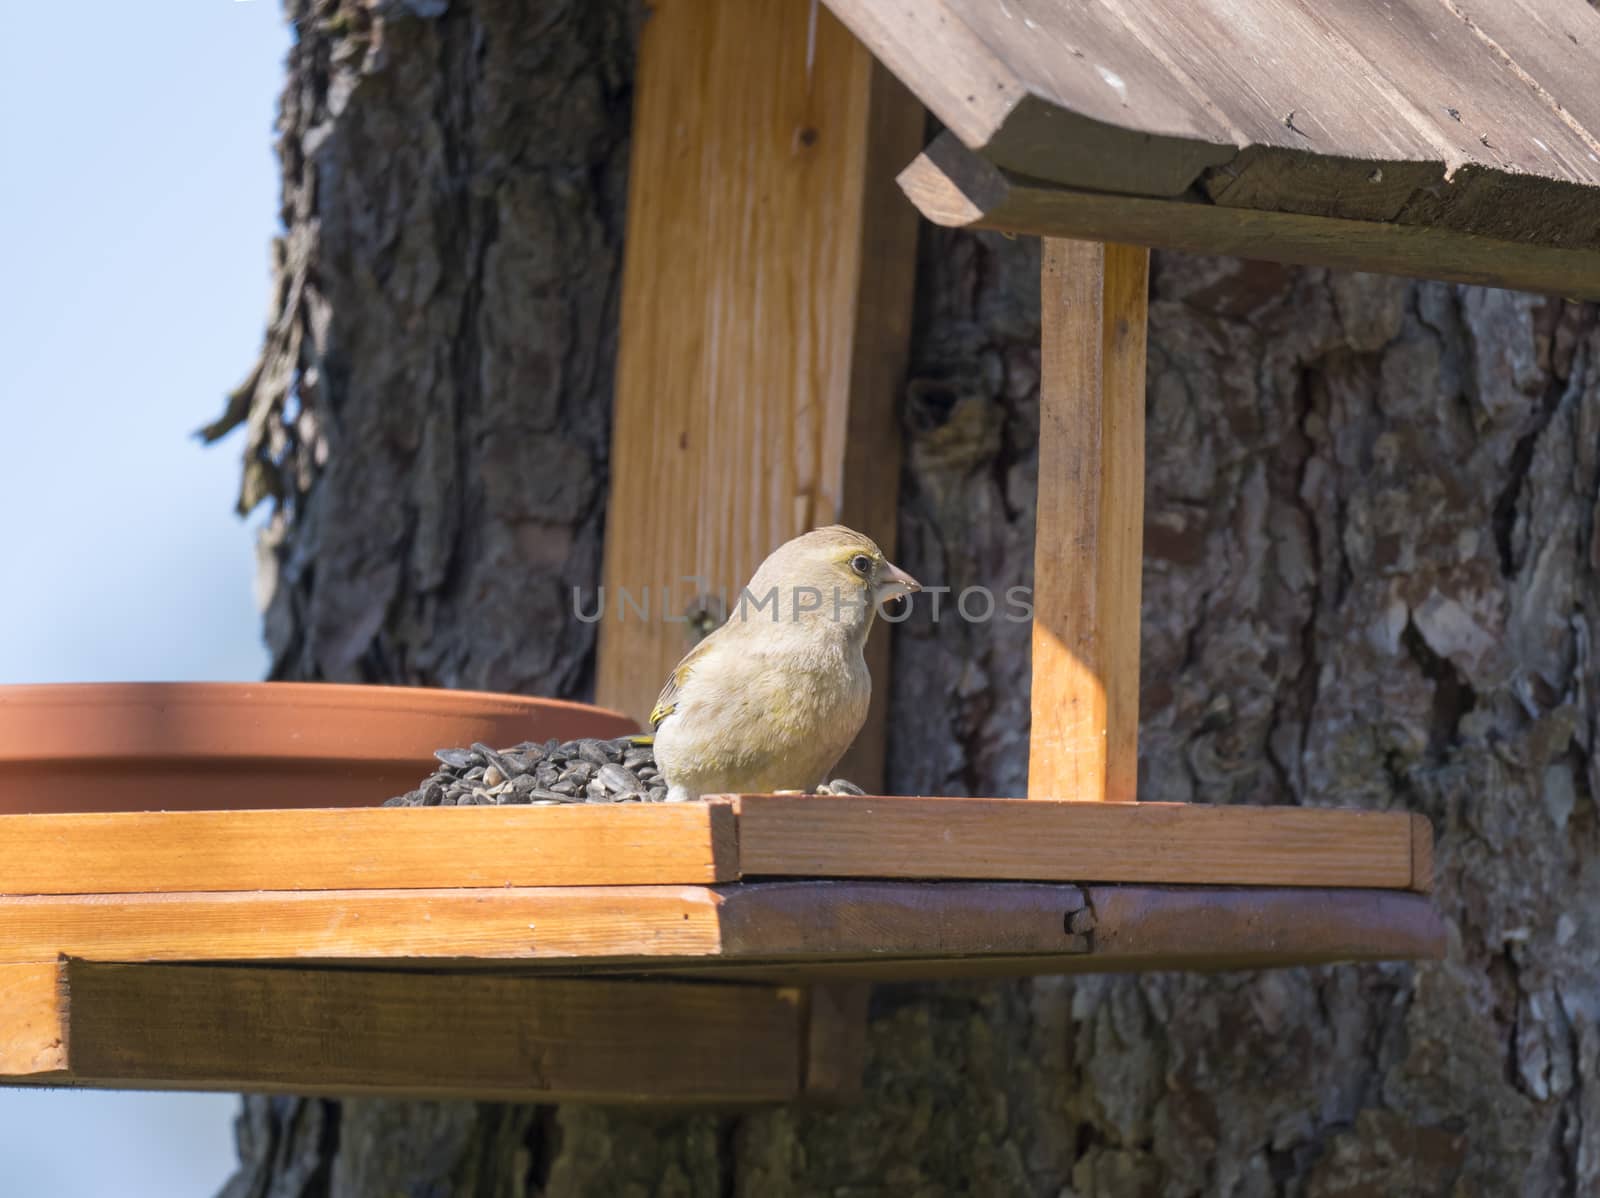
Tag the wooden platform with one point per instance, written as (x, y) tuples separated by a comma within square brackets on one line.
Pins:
[(427, 952)]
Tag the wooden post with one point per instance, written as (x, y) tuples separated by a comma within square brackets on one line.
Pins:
[(1088, 542), (766, 313)]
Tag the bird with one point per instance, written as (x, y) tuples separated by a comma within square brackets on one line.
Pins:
[(769, 701)]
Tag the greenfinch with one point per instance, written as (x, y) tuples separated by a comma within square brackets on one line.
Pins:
[(772, 699)]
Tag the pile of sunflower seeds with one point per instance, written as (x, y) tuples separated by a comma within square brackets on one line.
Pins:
[(574, 771), (543, 775)]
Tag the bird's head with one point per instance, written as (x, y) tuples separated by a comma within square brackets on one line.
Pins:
[(831, 575)]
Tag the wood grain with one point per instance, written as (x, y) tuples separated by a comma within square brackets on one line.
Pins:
[(1088, 543), (499, 924), (836, 1041), (991, 96), (366, 848), (1421, 854), (1441, 113), (880, 347), (951, 186), (1170, 928), (818, 919), (308, 1031), (765, 316), (642, 927), (824, 836), (777, 932), (33, 1034)]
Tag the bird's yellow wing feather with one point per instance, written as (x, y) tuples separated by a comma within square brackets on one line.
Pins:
[(667, 700)]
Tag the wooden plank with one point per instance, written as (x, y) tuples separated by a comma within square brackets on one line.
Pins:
[(33, 1034), (366, 848), (499, 924), (880, 348), (430, 1035), (1037, 104), (820, 919), (638, 926), (1468, 94), (953, 187), (1552, 44), (1088, 544), (1199, 928), (825, 836), (836, 1041), (1421, 854), (765, 315), (1142, 927), (789, 931)]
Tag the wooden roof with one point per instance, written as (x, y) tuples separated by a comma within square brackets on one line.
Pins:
[(1475, 118)]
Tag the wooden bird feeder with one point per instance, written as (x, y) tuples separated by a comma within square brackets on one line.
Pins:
[(618, 953)]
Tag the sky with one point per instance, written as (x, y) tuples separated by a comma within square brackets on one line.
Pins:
[(138, 192)]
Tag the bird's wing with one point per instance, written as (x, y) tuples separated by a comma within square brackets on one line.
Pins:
[(667, 700)]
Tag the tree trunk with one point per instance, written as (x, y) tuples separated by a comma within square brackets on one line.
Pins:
[(1370, 555)]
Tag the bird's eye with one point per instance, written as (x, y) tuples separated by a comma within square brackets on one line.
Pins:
[(861, 564)]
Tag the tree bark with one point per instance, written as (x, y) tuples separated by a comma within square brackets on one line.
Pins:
[(1370, 559)]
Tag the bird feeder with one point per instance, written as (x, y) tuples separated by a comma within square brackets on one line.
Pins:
[(617, 953)]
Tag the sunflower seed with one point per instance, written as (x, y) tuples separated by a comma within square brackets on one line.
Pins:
[(587, 769), (593, 751), (618, 779)]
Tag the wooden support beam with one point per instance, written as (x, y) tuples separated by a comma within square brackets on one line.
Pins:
[(836, 1040), (33, 1030), (1088, 543), (1421, 854), (766, 312), (952, 186), (432, 1035)]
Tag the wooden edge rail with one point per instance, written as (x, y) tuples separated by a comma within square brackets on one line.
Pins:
[(731, 837), (953, 186), (640, 927), (1128, 929), (1043, 840), (433, 1035), (368, 848), (798, 929)]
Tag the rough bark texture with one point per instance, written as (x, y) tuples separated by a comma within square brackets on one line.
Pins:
[(1370, 556)]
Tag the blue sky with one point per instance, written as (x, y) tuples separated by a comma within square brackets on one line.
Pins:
[(139, 196)]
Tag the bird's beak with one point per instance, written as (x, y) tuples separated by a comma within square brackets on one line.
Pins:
[(894, 582)]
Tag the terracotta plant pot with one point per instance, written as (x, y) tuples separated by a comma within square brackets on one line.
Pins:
[(186, 746)]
